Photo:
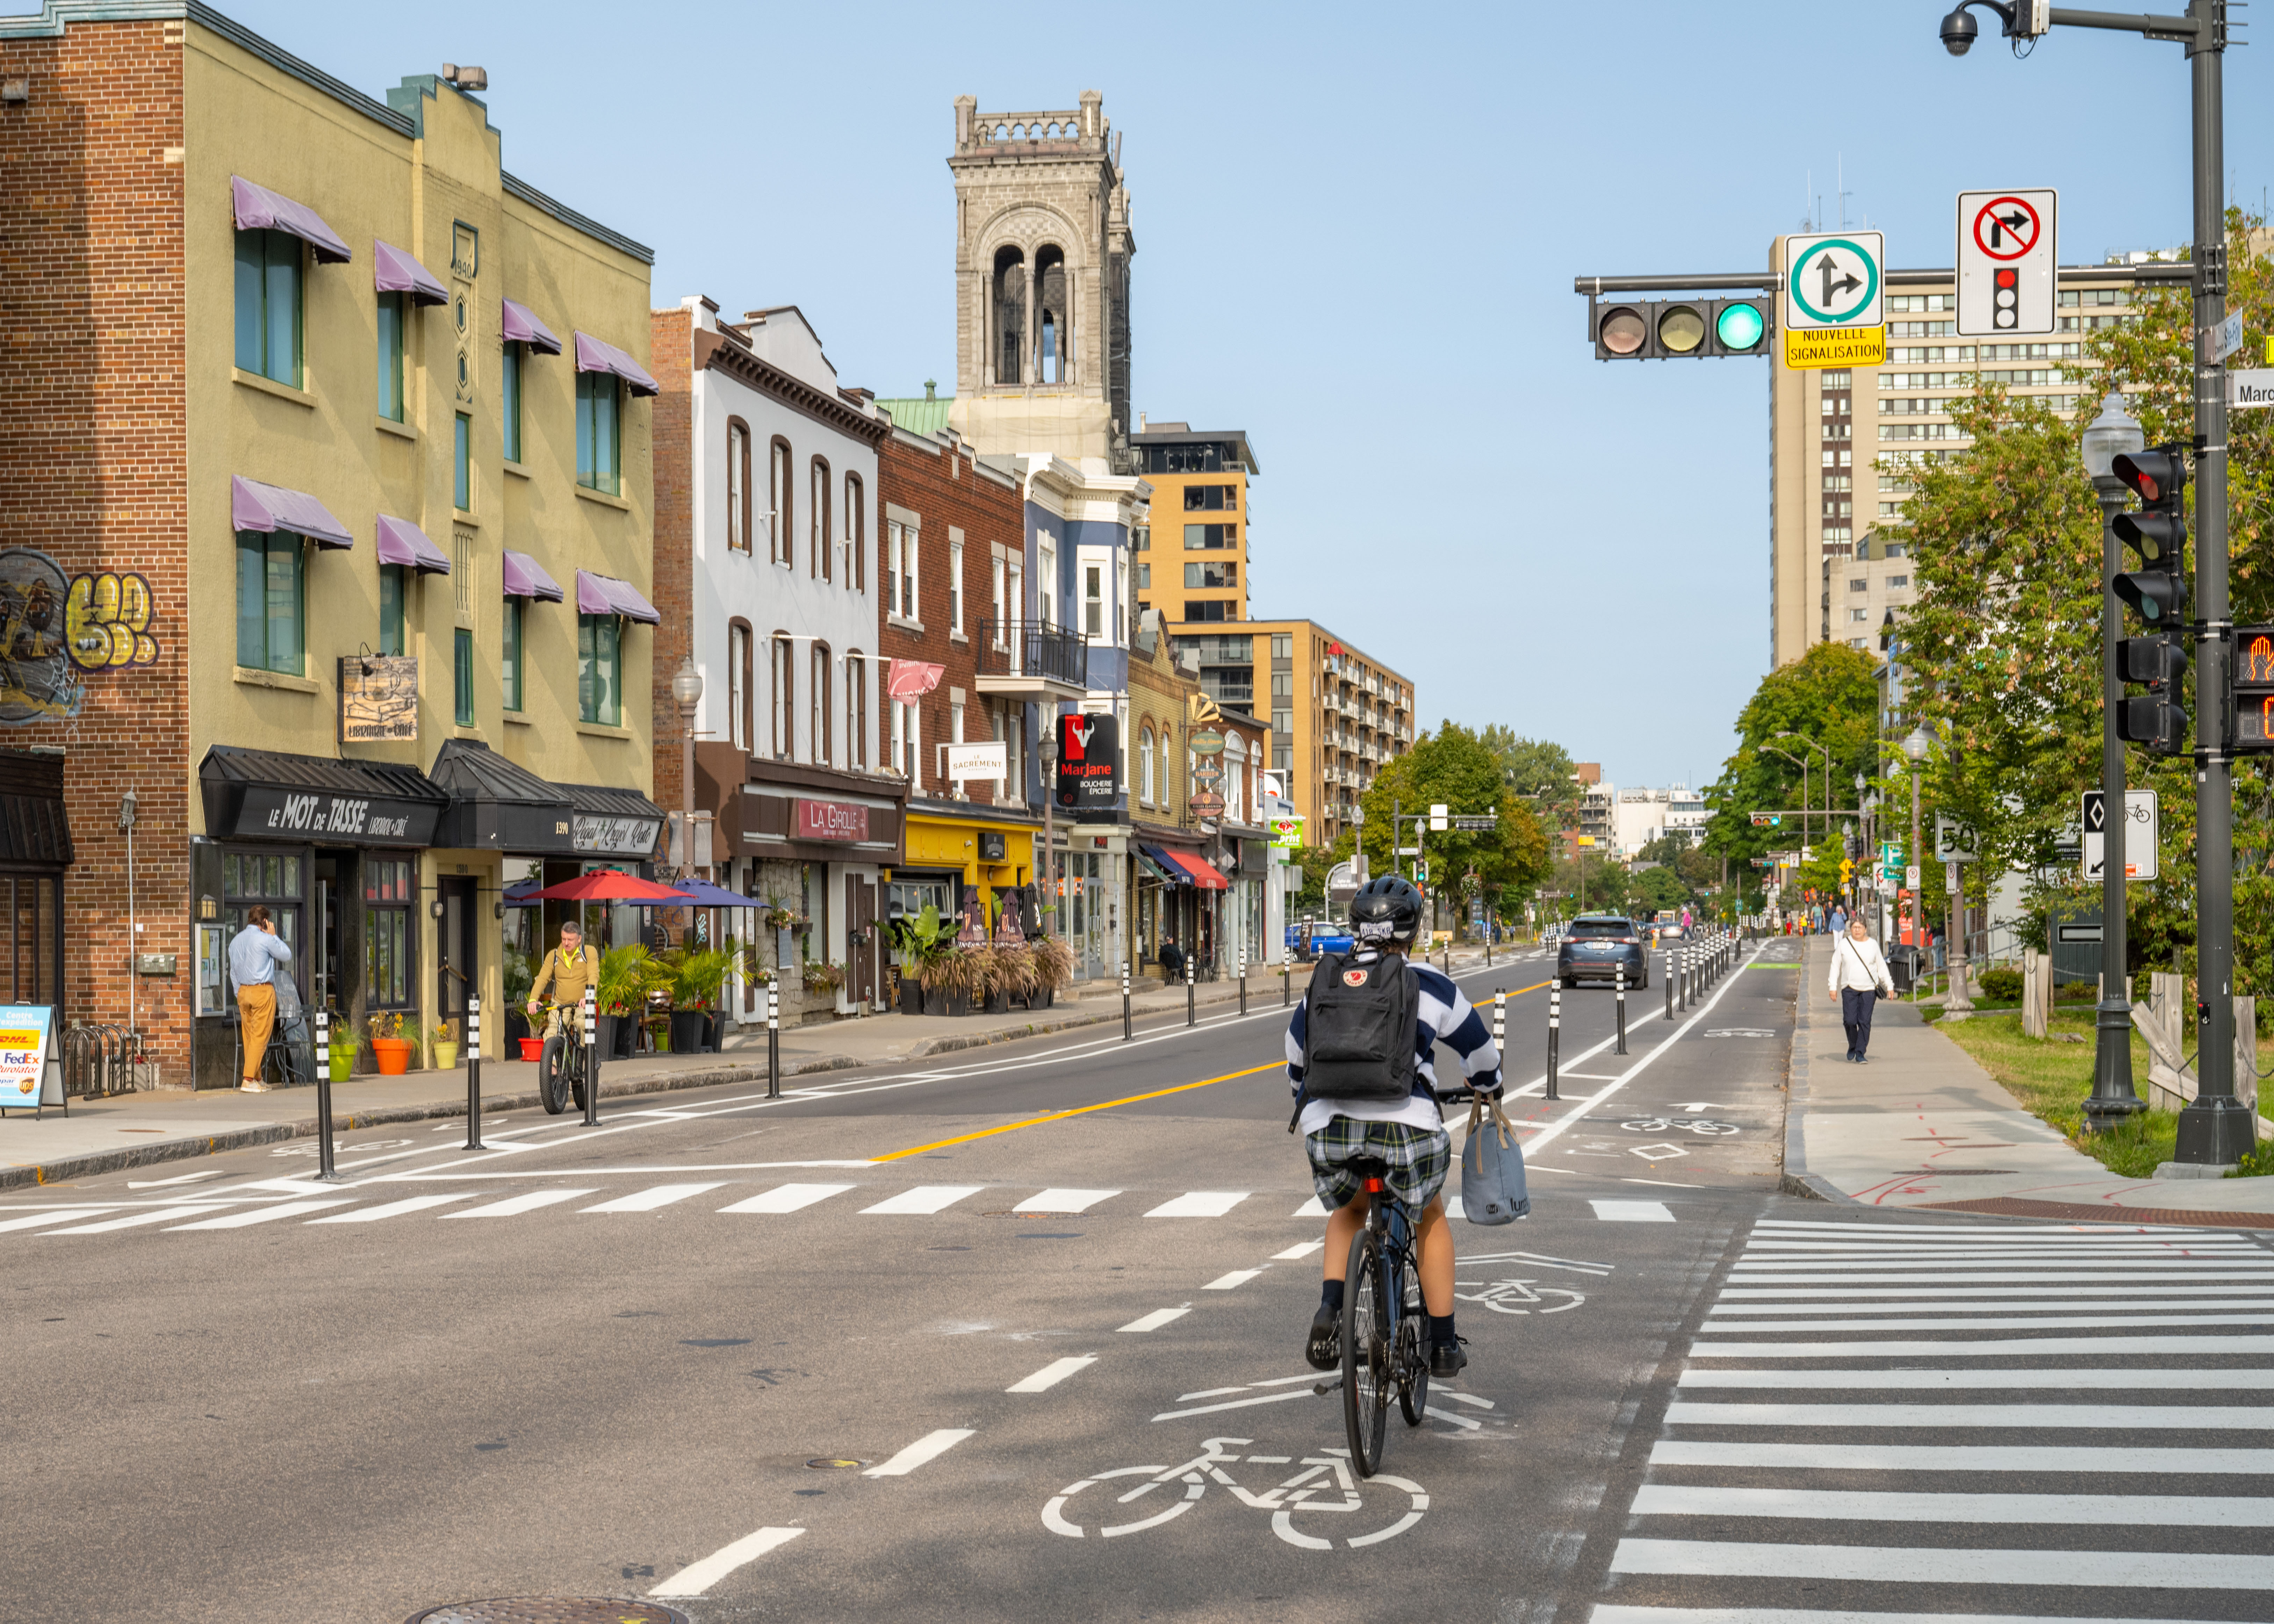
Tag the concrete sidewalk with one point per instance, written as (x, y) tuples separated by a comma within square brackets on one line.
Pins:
[(1924, 1125), (129, 1131)]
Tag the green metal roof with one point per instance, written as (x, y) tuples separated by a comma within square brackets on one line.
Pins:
[(918, 414)]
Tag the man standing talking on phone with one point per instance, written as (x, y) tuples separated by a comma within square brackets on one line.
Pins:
[(254, 953), (1859, 979)]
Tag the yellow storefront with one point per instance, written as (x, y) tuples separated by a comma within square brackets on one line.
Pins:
[(957, 855)]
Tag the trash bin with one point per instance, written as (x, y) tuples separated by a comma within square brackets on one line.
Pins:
[(1903, 968)]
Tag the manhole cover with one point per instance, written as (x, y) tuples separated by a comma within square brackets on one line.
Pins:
[(551, 1610)]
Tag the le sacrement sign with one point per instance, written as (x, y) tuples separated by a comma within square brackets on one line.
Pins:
[(831, 820)]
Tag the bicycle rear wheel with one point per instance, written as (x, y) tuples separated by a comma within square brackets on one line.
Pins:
[(577, 1060), (552, 1086), (1366, 1353), (1412, 1366)]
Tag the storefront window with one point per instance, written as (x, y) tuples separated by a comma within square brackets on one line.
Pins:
[(271, 878), (387, 893)]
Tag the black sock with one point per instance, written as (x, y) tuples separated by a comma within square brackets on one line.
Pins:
[(1330, 1294), (1441, 1331)]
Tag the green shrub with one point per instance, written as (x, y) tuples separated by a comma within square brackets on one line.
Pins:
[(2003, 984)]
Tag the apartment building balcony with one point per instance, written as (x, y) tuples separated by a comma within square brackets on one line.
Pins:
[(1032, 660)]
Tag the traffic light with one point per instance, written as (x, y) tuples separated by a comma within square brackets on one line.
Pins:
[(1676, 330), (2158, 593), (1847, 870), (2250, 720)]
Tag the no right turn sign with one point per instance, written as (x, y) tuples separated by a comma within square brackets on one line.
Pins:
[(2006, 256)]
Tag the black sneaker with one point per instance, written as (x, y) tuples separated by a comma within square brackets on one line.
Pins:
[(1446, 1359), (1324, 1350)]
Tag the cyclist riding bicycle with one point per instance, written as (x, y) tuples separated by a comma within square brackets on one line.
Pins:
[(569, 969), (1362, 1093)]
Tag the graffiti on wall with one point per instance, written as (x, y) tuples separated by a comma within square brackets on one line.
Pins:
[(107, 622), (37, 683)]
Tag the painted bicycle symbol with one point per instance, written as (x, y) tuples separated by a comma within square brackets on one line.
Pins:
[(1325, 1487), (1517, 1297), (1704, 1127)]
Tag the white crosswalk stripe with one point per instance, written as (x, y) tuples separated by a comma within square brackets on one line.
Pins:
[(1199, 1204), (515, 1204), (925, 1198), (787, 1198), (1063, 1200), (1817, 1491), (648, 1200)]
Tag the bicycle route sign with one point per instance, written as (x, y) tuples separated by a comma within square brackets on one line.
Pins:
[(1835, 300), (2142, 825)]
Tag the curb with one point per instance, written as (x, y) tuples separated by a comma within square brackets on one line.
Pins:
[(133, 1156), (1796, 1180)]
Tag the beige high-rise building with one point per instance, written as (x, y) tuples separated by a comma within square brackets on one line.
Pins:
[(1843, 445)]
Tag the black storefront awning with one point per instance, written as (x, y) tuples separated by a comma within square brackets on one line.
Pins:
[(33, 826), (269, 795), (497, 807), (607, 822)]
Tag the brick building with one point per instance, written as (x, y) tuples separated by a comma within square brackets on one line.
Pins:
[(275, 434)]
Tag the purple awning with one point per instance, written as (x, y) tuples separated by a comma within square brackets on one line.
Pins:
[(519, 325), (525, 577), (402, 542), (259, 210), (606, 595), (254, 506), (393, 270), (593, 356)]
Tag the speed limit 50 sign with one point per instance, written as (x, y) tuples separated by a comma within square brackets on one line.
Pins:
[(2005, 260)]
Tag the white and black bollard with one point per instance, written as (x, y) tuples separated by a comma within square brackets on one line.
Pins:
[(1554, 1035), (1500, 1025), (1243, 980), (474, 1074), (1127, 1031), (589, 1014), (325, 1170), (774, 1040), (1188, 990), (1621, 1049), (1669, 983)]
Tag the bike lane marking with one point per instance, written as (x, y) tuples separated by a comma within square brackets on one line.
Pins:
[(689, 1582), (929, 1447), (1057, 1371), (1158, 1318), (1303, 1251), (1238, 1277)]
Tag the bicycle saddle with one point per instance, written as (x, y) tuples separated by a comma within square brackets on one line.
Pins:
[(1370, 1167)]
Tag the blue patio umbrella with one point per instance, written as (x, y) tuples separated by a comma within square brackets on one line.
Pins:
[(520, 894), (704, 894)]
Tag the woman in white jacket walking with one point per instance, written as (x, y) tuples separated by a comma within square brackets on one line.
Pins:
[(1859, 974)]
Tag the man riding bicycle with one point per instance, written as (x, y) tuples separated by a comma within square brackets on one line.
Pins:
[(1354, 1102), (568, 970)]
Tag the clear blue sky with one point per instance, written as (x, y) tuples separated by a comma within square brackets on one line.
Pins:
[(1357, 228)]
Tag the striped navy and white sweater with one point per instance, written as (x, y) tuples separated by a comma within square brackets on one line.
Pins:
[(1442, 1015)]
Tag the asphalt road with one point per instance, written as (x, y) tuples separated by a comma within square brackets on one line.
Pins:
[(960, 1354)]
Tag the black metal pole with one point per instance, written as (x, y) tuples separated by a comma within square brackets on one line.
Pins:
[(1621, 1049), (1188, 990), (1243, 980), (474, 1074), (1668, 979), (1127, 1031), (589, 1014), (773, 1040), (325, 1170), (1554, 1035)]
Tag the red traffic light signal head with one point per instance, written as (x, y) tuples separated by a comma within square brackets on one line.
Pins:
[(2158, 475), (2008, 277)]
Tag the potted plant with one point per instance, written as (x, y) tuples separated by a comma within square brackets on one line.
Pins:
[(695, 977), (925, 941), (988, 990), (389, 1046), (621, 991), (342, 1055), (1015, 975), (1053, 969), (951, 981), (442, 1040), (518, 981)]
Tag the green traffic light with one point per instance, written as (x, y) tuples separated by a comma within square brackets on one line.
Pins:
[(1739, 327)]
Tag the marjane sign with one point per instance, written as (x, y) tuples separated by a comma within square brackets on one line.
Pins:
[(831, 820), (1089, 749)]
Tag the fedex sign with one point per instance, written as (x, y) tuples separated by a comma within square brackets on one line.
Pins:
[(1089, 755)]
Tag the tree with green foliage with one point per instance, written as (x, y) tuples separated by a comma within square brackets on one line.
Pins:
[(1538, 769), (1453, 765)]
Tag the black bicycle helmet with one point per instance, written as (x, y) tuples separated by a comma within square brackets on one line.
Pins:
[(1391, 901)]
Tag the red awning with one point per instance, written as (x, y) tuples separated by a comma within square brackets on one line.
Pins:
[(1203, 872)]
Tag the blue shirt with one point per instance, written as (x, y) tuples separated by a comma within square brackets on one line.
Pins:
[(254, 955), (1444, 1014)]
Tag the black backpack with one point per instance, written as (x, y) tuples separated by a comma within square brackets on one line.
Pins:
[(1358, 1041)]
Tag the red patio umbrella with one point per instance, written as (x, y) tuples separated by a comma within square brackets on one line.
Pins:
[(607, 885)]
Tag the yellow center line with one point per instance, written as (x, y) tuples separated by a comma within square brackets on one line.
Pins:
[(1081, 1110)]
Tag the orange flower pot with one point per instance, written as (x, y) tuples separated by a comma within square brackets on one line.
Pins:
[(533, 1048), (394, 1056)]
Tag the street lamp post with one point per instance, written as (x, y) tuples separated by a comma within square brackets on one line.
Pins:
[(2111, 435), (687, 689), (1916, 745), (1046, 871)]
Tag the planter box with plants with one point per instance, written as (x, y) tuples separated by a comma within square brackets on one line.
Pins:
[(939, 976)]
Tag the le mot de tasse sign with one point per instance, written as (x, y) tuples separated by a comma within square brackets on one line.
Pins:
[(277, 814)]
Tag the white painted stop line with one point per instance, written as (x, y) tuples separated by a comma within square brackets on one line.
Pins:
[(1057, 1371), (692, 1582), (931, 1446)]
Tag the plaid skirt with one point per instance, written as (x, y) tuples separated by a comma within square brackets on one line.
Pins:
[(1419, 1158)]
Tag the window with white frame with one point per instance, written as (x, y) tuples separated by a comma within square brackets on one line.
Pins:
[(1092, 600), (856, 711), (955, 733), (738, 485), (1002, 612), (955, 586), (1145, 763), (784, 706), (778, 532), (856, 533), (901, 570), (738, 685), (1046, 583)]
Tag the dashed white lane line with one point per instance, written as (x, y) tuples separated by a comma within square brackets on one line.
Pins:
[(133, 1221), (648, 1200), (1063, 1200), (514, 1204), (262, 1214), (1057, 1371), (393, 1209), (60, 1215), (1303, 1251), (787, 1198), (693, 1581), (1199, 1204), (929, 1447), (1158, 1318), (1632, 1212), (925, 1198), (1238, 1277), (1312, 1208)]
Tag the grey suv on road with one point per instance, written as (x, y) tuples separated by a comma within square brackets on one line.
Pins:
[(1596, 946)]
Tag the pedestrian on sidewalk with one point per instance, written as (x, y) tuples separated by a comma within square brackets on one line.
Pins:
[(1839, 920), (1859, 979), (253, 955)]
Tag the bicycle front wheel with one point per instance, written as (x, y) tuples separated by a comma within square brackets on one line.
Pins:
[(552, 1085), (1366, 1353)]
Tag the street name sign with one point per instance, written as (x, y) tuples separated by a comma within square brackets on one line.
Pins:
[(2143, 826), (1834, 300), (2222, 341), (2251, 387), (2006, 260)]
